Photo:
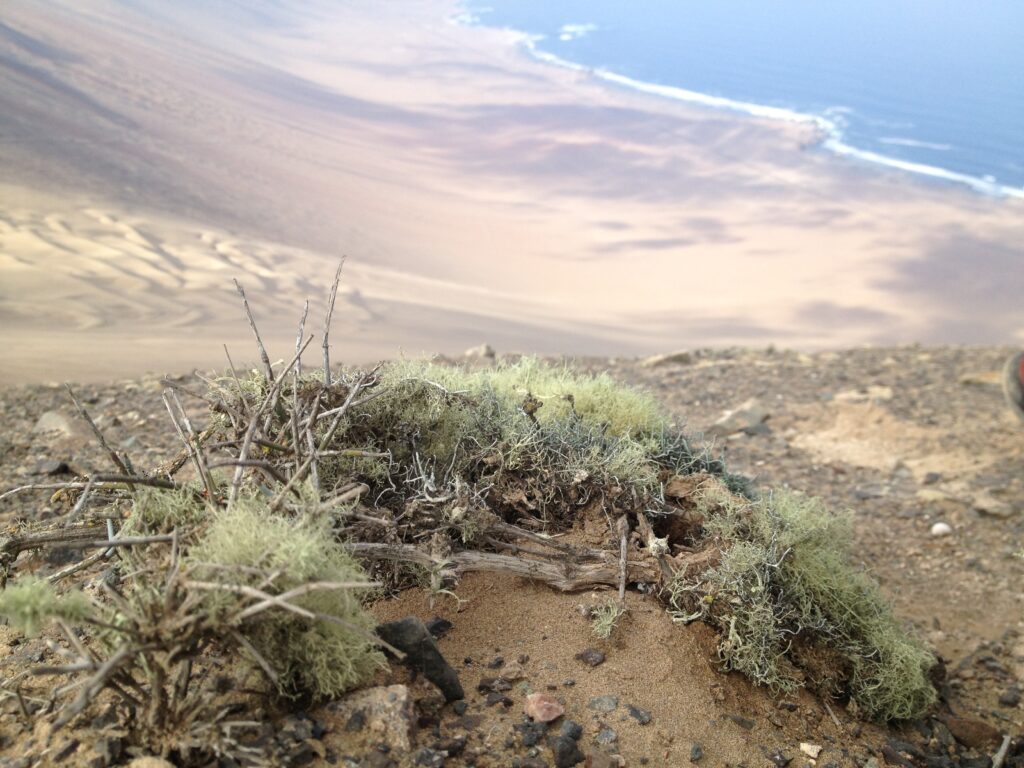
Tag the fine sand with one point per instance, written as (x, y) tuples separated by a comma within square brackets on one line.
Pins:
[(150, 155)]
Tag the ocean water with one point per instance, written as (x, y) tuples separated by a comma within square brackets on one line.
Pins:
[(933, 87)]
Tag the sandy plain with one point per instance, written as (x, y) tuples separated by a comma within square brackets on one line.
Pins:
[(151, 152)]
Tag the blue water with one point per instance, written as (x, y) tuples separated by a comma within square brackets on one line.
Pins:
[(935, 87)]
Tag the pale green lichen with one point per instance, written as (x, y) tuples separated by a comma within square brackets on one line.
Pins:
[(784, 579)]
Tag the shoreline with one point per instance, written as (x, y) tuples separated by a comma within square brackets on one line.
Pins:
[(829, 134)]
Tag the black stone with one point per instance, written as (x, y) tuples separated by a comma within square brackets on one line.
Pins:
[(696, 753), (565, 751), (410, 636), (496, 663), (498, 698), (571, 730), (460, 707), (439, 627), (1010, 698), (743, 722), (531, 734), (356, 721)]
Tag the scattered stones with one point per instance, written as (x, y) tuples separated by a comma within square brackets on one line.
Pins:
[(430, 758), (604, 703), (385, 712), (811, 750), (642, 716), (565, 751), (941, 529), (591, 657), (410, 636), (543, 708), (748, 416), (696, 753), (606, 736)]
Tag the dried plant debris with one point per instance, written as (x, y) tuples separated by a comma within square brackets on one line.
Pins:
[(249, 556)]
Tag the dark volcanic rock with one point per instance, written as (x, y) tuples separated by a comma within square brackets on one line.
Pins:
[(411, 636)]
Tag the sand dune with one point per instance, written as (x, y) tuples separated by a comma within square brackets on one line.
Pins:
[(152, 152)]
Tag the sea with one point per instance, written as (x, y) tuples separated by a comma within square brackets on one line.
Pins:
[(931, 87)]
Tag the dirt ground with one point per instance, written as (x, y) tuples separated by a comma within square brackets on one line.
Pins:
[(903, 437)]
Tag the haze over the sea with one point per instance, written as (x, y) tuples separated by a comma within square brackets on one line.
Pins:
[(933, 88)]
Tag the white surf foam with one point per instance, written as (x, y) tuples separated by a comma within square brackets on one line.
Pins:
[(829, 124), (915, 143)]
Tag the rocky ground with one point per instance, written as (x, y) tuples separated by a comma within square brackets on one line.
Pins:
[(916, 442)]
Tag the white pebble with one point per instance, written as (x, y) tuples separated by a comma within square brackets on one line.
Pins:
[(941, 529)]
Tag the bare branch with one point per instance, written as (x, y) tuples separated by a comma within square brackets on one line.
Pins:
[(252, 324), (327, 323)]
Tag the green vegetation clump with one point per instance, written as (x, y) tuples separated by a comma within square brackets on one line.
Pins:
[(785, 590), (31, 603), (249, 546), (605, 617), (550, 431)]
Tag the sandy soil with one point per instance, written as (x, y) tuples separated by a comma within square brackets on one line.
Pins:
[(150, 155)]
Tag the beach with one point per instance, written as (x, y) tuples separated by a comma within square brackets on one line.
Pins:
[(479, 195)]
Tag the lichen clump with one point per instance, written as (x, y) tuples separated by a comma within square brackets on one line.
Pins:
[(785, 593)]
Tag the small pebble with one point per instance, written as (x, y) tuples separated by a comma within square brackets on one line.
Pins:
[(941, 529), (604, 703), (591, 657), (696, 753)]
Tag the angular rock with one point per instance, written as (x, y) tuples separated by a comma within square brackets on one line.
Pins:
[(565, 751), (642, 716), (62, 424), (410, 635), (591, 657), (976, 734), (811, 750), (572, 730), (604, 703), (748, 416), (543, 708), (386, 712), (987, 504)]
